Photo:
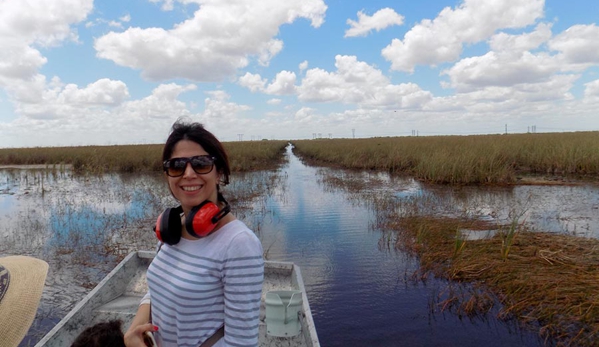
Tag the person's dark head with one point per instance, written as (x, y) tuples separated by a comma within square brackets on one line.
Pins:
[(105, 334), (196, 132)]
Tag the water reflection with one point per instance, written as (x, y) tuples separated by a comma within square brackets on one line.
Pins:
[(560, 209)]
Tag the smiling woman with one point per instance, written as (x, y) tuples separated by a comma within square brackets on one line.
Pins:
[(209, 268)]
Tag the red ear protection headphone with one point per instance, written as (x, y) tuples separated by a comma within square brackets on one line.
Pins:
[(199, 223)]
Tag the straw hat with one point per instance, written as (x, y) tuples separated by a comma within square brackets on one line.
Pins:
[(21, 285)]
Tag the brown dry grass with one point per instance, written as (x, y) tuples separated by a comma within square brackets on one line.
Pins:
[(477, 159), (547, 280), (243, 156)]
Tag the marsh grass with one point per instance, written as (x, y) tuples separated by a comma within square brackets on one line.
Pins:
[(460, 242), (243, 156), (549, 280), (508, 236), (480, 159), (255, 155)]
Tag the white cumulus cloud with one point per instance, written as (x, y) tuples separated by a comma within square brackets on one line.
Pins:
[(101, 92), (501, 69), (303, 65), (220, 38), (356, 82), (503, 42), (380, 20), (253, 82), (591, 91), (440, 40), (284, 83), (54, 100), (578, 46), (26, 25)]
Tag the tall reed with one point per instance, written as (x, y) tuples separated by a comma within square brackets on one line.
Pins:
[(244, 156), (508, 235), (496, 159), (460, 242)]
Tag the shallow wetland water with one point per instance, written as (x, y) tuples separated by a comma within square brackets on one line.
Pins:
[(322, 219)]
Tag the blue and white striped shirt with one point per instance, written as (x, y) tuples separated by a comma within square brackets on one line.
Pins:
[(197, 286)]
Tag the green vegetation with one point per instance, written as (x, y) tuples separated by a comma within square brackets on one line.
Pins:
[(244, 156), (481, 159)]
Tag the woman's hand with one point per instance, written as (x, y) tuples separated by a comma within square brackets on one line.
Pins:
[(134, 337)]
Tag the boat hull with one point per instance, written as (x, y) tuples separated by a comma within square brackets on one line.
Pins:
[(118, 296)]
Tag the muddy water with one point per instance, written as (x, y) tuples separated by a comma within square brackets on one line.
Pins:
[(359, 288)]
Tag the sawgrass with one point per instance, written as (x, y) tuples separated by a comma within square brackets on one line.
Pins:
[(243, 156), (480, 159)]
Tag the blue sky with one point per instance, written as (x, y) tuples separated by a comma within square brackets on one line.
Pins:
[(82, 72)]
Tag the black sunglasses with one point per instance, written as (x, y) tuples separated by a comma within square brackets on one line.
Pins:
[(201, 164)]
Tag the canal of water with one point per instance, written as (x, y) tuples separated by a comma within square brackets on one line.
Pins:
[(360, 292)]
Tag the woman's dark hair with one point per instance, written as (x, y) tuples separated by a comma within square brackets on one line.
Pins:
[(101, 335), (197, 133)]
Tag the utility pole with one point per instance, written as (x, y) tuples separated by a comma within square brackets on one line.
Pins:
[(240, 137), (506, 129), (353, 133)]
